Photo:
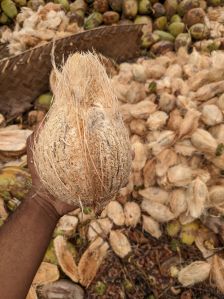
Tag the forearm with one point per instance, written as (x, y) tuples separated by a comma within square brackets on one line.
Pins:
[(23, 241)]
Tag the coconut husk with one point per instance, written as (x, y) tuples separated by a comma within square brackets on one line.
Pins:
[(82, 154)]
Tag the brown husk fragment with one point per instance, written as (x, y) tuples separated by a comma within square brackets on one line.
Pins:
[(65, 259), (91, 260)]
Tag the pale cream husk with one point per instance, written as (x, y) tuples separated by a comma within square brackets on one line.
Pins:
[(195, 272), (119, 243), (82, 153)]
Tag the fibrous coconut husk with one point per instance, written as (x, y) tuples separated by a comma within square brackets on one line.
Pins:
[(82, 153)]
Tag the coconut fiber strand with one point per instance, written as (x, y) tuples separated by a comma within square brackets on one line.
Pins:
[(82, 153)]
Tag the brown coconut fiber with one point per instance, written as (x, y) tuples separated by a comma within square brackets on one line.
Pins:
[(82, 153)]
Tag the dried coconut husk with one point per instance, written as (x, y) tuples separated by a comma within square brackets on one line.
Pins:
[(179, 175), (206, 241), (82, 153), (165, 159), (46, 273), (211, 115), (178, 202), (91, 260), (119, 243), (149, 173), (204, 141), (218, 132), (65, 258), (155, 194), (138, 126), (67, 226), (116, 213), (175, 120), (141, 155), (99, 227), (208, 91), (189, 123), (151, 226), (195, 272), (216, 197), (132, 213), (217, 272), (196, 196), (185, 148), (165, 139), (13, 141), (157, 210), (32, 293), (157, 120)]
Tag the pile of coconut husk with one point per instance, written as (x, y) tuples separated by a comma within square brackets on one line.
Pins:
[(169, 24), (173, 107)]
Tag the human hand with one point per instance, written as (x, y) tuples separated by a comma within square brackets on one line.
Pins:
[(44, 198)]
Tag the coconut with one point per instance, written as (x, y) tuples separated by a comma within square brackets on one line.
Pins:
[(82, 152)]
